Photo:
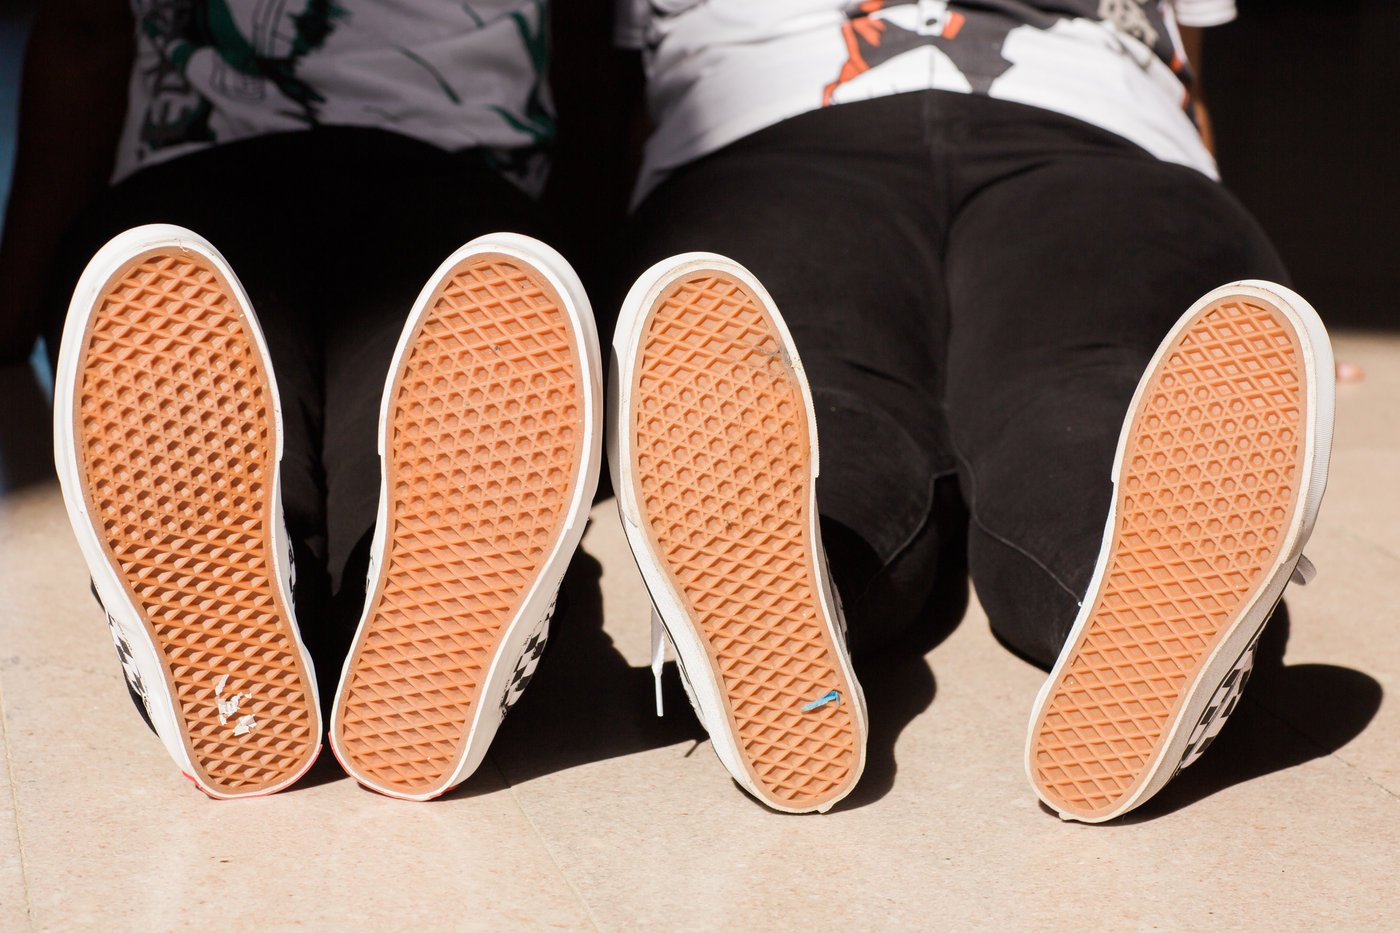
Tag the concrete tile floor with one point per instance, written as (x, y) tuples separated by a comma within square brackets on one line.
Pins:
[(591, 813)]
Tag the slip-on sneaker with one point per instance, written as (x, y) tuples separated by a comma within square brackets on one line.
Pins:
[(714, 457), (167, 442), (1220, 470), (490, 444)]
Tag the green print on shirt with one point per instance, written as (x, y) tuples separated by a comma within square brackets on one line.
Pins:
[(177, 29), (423, 63), (537, 122), (476, 17)]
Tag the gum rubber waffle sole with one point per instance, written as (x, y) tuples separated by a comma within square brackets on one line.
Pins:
[(1210, 478), (483, 451), (176, 439), (722, 466)]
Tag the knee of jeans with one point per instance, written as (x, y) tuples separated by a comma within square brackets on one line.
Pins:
[(913, 600), (876, 479), (882, 524)]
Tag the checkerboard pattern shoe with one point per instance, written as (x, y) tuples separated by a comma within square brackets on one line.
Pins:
[(167, 441)]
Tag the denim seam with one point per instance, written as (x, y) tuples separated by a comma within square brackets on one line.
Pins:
[(913, 536), (930, 504), (1000, 538)]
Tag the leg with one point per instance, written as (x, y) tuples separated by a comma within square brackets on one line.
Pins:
[(794, 204), (1052, 328)]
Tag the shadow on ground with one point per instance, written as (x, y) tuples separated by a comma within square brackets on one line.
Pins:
[(587, 704), (1288, 715), (898, 682)]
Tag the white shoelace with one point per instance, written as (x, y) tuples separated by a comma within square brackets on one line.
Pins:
[(658, 656), (1303, 572)]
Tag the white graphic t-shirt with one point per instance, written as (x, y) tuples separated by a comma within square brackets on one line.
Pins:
[(454, 74), (719, 70)]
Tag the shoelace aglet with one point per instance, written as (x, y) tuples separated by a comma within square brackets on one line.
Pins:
[(658, 658)]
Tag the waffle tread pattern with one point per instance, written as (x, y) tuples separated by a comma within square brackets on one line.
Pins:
[(723, 467), (484, 452), (1207, 489), (176, 438)]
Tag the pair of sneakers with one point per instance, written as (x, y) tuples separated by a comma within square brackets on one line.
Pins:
[(1218, 477), (168, 441)]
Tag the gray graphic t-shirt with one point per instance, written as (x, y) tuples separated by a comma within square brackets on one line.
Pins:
[(454, 74), (719, 70)]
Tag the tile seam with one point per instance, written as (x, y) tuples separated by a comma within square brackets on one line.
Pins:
[(1336, 755), (14, 804), (544, 844), (1384, 549)]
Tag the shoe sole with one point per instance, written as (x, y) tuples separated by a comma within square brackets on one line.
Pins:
[(717, 451), (168, 443), (1217, 481), (490, 446)]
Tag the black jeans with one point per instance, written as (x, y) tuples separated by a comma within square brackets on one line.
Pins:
[(333, 232), (975, 287)]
